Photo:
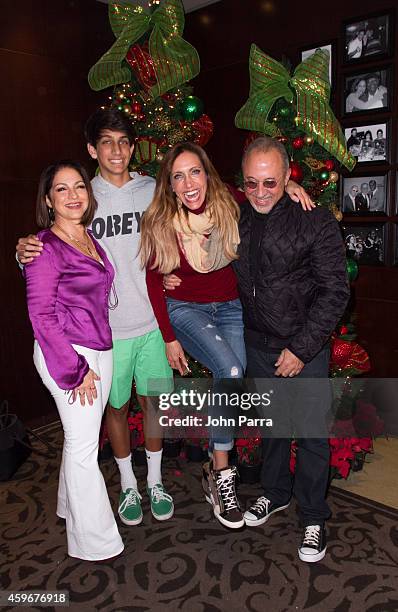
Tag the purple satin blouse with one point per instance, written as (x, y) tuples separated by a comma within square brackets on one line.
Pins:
[(67, 294)]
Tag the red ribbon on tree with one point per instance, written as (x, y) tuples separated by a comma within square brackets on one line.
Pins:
[(139, 59), (203, 128)]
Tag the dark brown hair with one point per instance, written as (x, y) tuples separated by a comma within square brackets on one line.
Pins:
[(107, 119), (44, 214)]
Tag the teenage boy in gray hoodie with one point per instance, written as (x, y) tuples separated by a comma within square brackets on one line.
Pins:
[(138, 348)]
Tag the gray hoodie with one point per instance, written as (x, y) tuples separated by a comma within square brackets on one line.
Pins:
[(117, 227)]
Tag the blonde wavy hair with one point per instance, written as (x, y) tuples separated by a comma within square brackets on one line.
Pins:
[(159, 246)]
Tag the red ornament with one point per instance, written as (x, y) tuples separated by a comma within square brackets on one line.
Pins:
[(296, 173), (141, 63), (351, 355), (203, 128), (298, 143), (136, 108), (329, 164), (169, 97), (341, 351), (343, 330)]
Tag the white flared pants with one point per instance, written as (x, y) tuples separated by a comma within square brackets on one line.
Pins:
[(82, 496)]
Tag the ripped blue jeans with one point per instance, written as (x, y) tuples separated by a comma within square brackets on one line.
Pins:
[(213, 335)]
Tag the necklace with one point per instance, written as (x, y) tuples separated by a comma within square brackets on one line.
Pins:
[(85, 247)]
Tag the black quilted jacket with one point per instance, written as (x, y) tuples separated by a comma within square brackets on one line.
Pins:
[(300, 288)]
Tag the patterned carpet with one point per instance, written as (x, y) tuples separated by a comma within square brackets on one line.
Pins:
[(191, 563)]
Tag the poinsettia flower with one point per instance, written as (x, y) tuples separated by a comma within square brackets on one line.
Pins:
[(366, 420)]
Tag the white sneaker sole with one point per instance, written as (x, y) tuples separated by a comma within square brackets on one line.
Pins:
[(221, 519), (312, 558), (256, 523), (163, 517), (131, 522)]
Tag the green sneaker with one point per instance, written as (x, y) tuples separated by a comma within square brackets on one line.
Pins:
[(130, 511), (162, 506)]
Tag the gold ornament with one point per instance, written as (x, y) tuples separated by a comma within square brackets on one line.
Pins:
[(338, 215), (175, 136), (163, 123), (313, 163), (189, 132), (333, 177)]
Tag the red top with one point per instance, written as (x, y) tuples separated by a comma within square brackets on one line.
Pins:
[(217, 286)]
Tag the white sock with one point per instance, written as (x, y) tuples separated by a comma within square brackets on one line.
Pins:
[(127, 478), (154, 461)]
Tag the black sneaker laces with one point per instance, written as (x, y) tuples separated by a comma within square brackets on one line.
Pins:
[(226, 487), (311, 535)]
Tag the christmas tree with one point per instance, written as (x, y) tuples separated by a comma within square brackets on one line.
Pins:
[(149, 67), (295, 110)]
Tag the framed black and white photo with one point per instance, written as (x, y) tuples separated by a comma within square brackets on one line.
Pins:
[(364, 195), (367, 92), (368, 143), (307, 51), (368, 38), (365, 242)]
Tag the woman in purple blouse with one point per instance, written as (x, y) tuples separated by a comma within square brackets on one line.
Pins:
[(69, 289)]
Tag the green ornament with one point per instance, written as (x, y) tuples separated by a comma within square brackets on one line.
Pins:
[(324, 175), (191, 108), (352, 269)]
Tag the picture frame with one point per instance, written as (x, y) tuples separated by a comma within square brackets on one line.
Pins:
[(329, 46), (364, 195), (365, 242), (368, 38), (369, 143), (368, 91)]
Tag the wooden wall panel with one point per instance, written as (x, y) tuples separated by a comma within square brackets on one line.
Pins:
[(46, 51)]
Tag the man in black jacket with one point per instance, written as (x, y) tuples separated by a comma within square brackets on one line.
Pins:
[(293, 287)]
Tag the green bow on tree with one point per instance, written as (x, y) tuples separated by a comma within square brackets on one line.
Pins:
[(269, 81), (175, 61)]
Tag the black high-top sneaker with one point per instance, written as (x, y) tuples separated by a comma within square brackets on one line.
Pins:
[(220, 491), (313, 544)]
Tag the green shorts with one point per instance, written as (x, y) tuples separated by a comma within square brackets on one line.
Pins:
[(142, 359)]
